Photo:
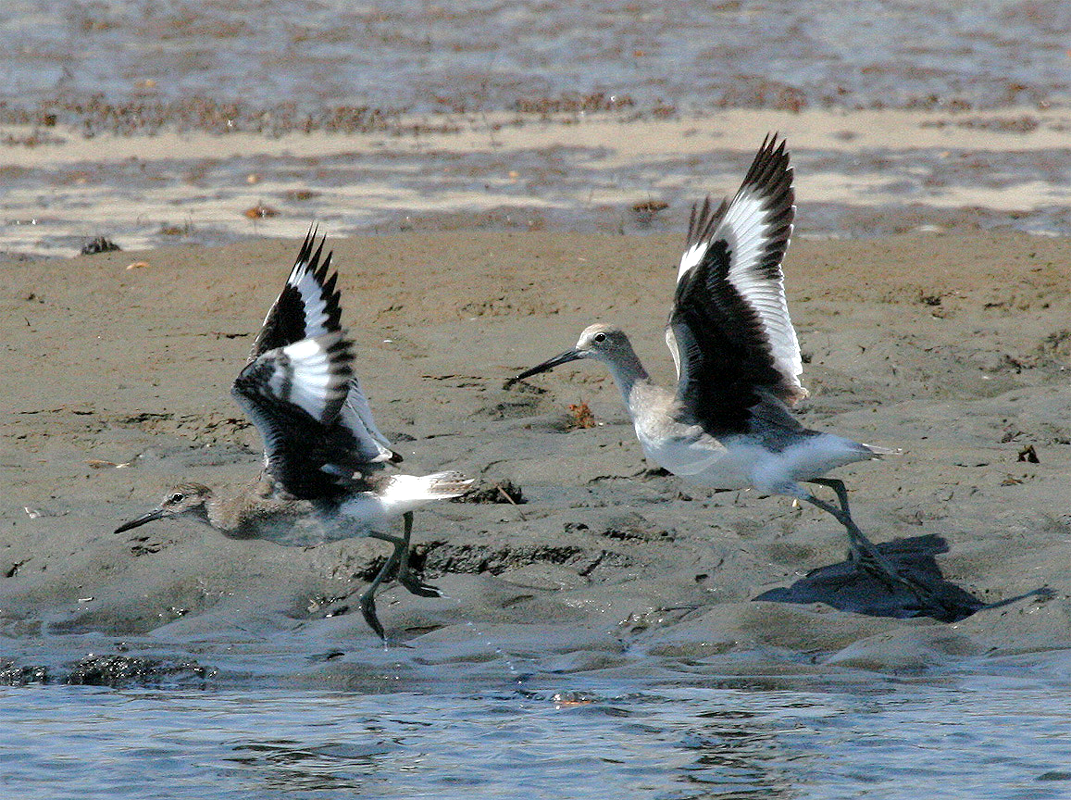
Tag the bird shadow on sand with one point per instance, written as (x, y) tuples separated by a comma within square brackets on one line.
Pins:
[(848, 587)]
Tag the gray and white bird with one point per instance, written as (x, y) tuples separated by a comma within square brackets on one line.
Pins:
[(728, 423), (324, 475)]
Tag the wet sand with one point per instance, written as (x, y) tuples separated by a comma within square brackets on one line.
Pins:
[(952, 347), (859, 173)]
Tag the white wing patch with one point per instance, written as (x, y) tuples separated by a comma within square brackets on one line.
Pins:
[(743, 226), (746, 229), (692, 256), (310, 374)]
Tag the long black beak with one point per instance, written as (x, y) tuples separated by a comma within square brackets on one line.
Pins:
[(557, 361), (156, 513)]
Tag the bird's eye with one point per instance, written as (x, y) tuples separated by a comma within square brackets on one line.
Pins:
[(599, 337), (177, 497)]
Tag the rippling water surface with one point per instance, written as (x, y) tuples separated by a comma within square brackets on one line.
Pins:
[(490, 55), (980, 740)]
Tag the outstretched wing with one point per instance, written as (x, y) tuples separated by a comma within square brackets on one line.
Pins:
[(308, 306), (294, 395), (729, 332)]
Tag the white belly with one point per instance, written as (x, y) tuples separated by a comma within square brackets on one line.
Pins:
[(704, 461), (740, 462)]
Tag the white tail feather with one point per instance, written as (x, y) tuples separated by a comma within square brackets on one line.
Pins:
[(405, 493)]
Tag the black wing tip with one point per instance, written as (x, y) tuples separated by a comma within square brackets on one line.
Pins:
[(310, 255), (311, 260), (771, 169), (704, 220), (770, 174)]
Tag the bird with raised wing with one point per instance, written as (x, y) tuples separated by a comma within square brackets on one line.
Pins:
[(324, 476), (728, 423)]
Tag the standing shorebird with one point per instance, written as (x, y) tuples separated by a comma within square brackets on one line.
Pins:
[(728, 425), (324, 458)]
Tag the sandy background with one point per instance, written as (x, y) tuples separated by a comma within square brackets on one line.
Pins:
[(953, 347)]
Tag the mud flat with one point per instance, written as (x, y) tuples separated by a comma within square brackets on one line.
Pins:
[(953, 347)]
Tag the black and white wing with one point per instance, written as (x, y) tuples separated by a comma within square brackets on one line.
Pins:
[(729, 332), (308, 304), (307, 307), (294, 395)]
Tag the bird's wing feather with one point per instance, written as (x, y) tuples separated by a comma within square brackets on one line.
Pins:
[(356, 417), (307, 306), (295, 395), (729, 331)]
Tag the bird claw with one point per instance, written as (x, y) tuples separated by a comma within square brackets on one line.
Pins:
[(874, 563), (415, 586), (368, 611)]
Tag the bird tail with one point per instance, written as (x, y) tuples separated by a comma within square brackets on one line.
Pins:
[(444, 485), (407, 492)]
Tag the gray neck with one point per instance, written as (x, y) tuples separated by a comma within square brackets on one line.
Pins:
[(629, 374), (231, 513)]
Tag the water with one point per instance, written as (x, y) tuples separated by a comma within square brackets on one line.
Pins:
[(491, 55), (976, 739), (156, 123)]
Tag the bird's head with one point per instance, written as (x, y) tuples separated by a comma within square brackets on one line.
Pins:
[(186, 498), (600, 341)]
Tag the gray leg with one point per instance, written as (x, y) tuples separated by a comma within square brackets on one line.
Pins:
[(405, 577), (400, 556), (368, 598), (398, 559), (863, 551), (862, 547)]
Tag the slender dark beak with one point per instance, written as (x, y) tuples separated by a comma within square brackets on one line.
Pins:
[(156, 513), (557, 361)]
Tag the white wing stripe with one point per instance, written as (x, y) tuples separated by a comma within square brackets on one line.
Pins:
[(306, 375), (313, 301)]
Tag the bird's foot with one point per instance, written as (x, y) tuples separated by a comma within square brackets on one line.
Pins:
[(415, 586), (368, 611), (874, 563)]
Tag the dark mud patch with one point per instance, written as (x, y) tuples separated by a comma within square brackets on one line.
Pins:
[(12, 674), (435, 559), (99, 245), (113, 671), (117, 671)]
